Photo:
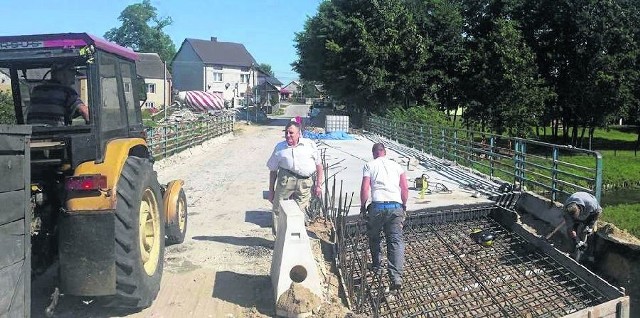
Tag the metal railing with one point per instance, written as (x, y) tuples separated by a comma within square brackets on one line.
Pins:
[(170, 139), (553, 171)]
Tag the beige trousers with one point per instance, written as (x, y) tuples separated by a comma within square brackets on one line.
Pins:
[(286, 185)]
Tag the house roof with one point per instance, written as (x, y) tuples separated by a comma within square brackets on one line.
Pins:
[(273, 81), (149, 65), (221, 53), (294, 83)]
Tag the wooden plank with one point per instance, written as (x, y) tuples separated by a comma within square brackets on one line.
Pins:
[(12, 206), (12, 240), (12, 290), (15, 130), (12, 172)]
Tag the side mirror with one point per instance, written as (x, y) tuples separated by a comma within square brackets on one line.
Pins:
[(140, 90)]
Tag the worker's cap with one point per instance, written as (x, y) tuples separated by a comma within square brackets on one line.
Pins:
[(377, 147)]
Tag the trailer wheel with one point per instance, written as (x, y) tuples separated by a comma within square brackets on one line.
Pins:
[(139, 236), (177, 228)]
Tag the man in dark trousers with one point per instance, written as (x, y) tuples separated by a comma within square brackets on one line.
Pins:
[(387, 183)]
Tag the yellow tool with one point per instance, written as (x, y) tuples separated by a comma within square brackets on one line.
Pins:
[(483, 237)]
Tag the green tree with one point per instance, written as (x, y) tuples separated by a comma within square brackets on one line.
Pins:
[(504, 90), (142, 31), (7, 114), (266, 68), (366, 53), (442, 22)]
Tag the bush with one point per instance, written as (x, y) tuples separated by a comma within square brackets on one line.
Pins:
[(7, 113), (419, 115)]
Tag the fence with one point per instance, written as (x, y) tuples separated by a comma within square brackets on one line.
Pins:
[(169, 139), (553, 171)]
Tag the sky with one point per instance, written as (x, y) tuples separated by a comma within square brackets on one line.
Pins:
[(266, 27)]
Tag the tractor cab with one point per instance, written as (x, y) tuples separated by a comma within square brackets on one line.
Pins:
[(99, 74)]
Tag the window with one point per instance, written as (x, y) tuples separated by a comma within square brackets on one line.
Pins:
[(151, 88), (244, 78), (112, 117), (217, 77), (126, 71), (150, 104)]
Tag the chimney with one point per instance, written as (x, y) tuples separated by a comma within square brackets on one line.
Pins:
[(214, 39)]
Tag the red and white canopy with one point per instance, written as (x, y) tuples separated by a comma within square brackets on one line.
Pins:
[(204, 101)]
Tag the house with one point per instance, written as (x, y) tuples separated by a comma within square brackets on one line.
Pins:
[(158, 80), (213, 66), (293, 89), (268, 87)]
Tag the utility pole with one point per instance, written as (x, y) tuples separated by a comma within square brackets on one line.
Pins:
[(255, 104), (164, 90)]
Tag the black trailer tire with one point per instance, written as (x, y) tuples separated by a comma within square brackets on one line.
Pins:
[(177, 227), (139, 247)]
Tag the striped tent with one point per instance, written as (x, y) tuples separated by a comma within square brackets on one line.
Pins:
[(204, 101)]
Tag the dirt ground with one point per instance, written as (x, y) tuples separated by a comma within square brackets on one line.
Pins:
[(222, 268)]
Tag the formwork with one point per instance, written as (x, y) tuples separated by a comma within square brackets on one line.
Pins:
[(448, 274)]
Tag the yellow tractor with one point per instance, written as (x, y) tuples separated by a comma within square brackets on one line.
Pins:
[(97, 209)]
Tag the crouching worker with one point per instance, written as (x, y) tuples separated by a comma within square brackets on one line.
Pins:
[(582, 210)]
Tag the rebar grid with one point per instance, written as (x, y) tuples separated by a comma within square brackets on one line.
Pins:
[(448, 274)]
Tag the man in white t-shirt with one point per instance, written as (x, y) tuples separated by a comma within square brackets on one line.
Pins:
[(292, 165), (387, 183)]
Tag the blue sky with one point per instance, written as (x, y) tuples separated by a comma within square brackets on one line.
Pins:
[(266, 27)]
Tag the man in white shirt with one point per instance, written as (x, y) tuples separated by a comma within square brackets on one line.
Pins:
[(387, 182), (292, 164)]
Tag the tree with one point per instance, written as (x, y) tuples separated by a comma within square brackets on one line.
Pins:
[(137, 33), (266, 68), (503, 89), (366, 53)]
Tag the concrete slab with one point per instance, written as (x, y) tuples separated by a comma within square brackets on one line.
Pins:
[(346, 159), (293, 261)]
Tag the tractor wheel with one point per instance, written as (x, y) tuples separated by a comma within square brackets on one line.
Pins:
[(139, 236), (177, 227)]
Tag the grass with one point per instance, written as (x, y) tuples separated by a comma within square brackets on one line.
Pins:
[(624, 216)]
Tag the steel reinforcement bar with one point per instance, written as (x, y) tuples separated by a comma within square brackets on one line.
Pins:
[(448, 274)]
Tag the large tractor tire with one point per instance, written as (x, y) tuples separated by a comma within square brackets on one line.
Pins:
[(177, 228), (139, 235)]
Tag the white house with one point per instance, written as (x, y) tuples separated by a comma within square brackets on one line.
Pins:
[(158, 80), (213, 66)]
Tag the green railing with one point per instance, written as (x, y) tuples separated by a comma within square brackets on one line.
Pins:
[(553, 171), (170, 139)]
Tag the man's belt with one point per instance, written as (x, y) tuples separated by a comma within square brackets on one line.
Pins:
[(386, 204), (293, 174)]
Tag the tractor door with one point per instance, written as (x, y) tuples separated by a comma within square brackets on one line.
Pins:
[(119, 115)]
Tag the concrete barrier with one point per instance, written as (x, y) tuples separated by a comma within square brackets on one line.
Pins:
[(540, 207), (293, 264)]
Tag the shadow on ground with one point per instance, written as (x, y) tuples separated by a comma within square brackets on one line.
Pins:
[(239, 241), (253, 292), (260, 218)]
